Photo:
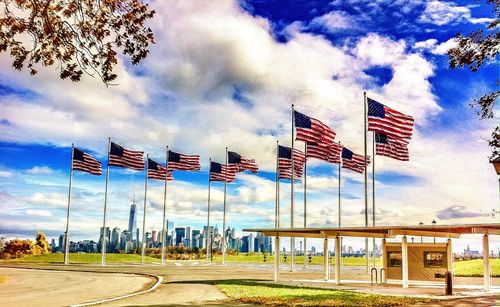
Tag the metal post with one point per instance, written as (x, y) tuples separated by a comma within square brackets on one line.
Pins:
[(224, 217), (305, 205), (292, 239), (163, 234), (340, 209), (66, 241), (143, 243), (366, 176), (404, 256), (337, 260), (486, 263), (326, 263), (277, 260), (277, 218), (208, 239), (373, 198), (384, 259), (103, 243), (449, 256)]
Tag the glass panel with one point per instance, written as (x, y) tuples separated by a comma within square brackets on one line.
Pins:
[(394, 259), (435, 259)]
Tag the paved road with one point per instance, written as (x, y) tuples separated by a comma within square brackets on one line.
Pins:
[(27, 287)]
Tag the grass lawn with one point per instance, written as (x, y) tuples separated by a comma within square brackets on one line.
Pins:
[(283, 295), (258, 258), (474, 268), (80, 258)]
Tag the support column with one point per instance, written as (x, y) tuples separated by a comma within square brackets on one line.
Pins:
[(404, 256), (384, 260), (337, 260), (449, 256), (277, 259), (486, 263), (326, 264)]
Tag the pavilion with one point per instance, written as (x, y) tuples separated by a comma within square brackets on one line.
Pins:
[(429, 254)]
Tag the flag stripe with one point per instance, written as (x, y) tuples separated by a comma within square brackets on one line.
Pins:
[(89, 164), (311, 130), (184, 163), (326, 152), (388, 121), (120, 156)]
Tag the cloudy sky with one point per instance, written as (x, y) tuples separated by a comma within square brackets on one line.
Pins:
[(224, 73)]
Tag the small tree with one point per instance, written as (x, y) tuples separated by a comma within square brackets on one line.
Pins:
[(41, 245), (17, 248)]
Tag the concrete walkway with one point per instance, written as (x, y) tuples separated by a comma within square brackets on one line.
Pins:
[(28, 287)]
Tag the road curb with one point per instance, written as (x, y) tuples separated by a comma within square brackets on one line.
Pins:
[(159, 280)]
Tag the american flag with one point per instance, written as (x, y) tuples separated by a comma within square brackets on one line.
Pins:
[(177, 161), (241, 163), (84, 162), (326, 152), (391, 147), (119, 156), (222, 172), (388, 121), (158, 171), (285, 162), (353, 161), (311, 130)]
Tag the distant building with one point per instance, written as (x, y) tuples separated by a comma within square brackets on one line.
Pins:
[(153, 238), (132, 221), (247, 244), (108, 235), (115, 239), (180, 233), (61, 243)]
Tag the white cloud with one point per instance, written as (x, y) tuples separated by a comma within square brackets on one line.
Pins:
[(334, 21), (375, 50), (5, 174), (481, 20), (444, 47), (40, 170), (442, 12), (44, 213), (434, 47)]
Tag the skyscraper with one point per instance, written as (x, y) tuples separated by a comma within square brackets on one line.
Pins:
[(115, 239), (180, 234), (132, 220)]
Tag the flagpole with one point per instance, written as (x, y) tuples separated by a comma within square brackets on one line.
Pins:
[(224, 216), (305, 204), (66, 243), (103, 243), (209, 250), (366, 177), (373, 196), (340, 207), (143, 243), (164, 236), (292, 240), (277, 218)]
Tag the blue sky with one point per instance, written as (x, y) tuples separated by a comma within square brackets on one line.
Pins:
[(224, 74)]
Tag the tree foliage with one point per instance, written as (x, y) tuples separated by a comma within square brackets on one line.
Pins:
[(473, 51), (41, 245), (76, 35), (17, 248)]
